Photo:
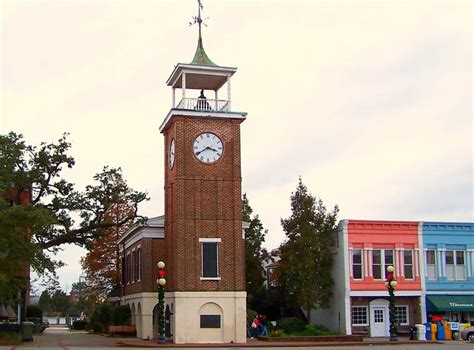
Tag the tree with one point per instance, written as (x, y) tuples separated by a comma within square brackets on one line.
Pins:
[(254, 252), (56, 212), (102, 263), (304, 270), (16, 249), (45, 302), (61, 303), (83, 301)]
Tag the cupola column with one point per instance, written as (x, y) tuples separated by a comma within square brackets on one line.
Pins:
[(184, 85), (216, 97), (174, 97), (228, 93)]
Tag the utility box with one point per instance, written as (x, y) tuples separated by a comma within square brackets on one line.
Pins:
[(420, 332), (455, 330), (27, 331)]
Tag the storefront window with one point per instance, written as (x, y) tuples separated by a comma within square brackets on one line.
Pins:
[(359, 315), (401, 315)]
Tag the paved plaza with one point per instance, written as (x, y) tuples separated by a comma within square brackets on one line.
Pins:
[(58, 338)]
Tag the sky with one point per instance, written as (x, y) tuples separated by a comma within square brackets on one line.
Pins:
[(370, 102)]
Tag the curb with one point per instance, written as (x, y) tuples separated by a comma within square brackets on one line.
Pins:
[(259, 344)]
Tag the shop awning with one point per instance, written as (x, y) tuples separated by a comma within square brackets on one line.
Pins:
[(450, 302)]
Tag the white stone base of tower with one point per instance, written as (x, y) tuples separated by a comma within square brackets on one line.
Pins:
[(189, 306)]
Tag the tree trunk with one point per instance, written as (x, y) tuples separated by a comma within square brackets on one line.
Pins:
[(308, 315)]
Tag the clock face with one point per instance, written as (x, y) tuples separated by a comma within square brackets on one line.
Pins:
[(171, 154), (208, 147)]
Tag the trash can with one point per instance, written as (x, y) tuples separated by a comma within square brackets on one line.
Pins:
[(455, 330), (428, 330), (420, 332), (27, 331)]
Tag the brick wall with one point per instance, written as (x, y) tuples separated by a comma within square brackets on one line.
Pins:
[(203, 200), (414, 311), (152, 250)]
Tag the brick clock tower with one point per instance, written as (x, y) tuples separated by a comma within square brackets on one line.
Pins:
[(203, 229)]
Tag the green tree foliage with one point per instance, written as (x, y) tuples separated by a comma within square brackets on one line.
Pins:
[(101, 318), (121, 315), (45, 302), (55, 212), (34, 311), (83, 301), (254, 252), (16, 249), (61, 303), (304, 270)]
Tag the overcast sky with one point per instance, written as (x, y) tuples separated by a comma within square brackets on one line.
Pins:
[(369, 101)]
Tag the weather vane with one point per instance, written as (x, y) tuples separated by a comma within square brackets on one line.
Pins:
[(197, 19)]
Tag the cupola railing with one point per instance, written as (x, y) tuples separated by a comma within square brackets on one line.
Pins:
[(204, 104)]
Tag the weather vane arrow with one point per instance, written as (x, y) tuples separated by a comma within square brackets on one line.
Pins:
[(197, 19)]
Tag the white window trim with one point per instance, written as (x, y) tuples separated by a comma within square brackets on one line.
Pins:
[(210, 240), (382, 263), (210, 278), (407, 308), (412, 264), (435, 264), (366, 316), (132, 263), (362, 260), (139, 263), (455, 264), (128, 276)]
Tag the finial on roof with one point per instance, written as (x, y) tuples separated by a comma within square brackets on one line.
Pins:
[(200, 57)]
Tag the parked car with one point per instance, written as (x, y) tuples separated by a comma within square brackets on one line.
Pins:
[(468, 334), (45, 323)]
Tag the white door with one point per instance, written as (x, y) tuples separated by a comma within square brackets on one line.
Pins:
[(378, 322)]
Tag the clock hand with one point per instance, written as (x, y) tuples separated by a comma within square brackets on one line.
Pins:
[(205, 148)]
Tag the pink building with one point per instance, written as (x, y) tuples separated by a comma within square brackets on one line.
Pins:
[(364, 251)]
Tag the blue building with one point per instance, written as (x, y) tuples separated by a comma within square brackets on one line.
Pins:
[(449, 270)]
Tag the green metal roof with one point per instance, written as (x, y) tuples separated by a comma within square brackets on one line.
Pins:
[(450, 302), (200, 57)]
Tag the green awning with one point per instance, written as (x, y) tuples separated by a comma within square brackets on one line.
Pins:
[(450, 303)]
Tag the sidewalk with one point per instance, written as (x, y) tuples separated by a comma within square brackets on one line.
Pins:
[(255, 343)]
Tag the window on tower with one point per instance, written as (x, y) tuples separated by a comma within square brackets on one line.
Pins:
[(210, 258)]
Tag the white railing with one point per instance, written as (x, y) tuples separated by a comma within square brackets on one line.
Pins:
[(204, 104)]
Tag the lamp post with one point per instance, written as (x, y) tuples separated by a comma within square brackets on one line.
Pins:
[(391, 284), (160, 282)]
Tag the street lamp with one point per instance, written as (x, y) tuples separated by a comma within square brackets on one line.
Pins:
[(391, 284), (160, 282)]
